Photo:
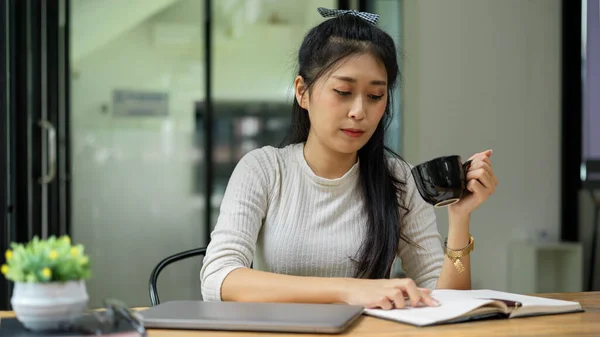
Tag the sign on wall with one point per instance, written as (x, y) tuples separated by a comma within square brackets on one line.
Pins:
[(140, 103)]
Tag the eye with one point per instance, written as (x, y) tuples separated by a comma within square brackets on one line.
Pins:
[(376, 97), (342, 93)]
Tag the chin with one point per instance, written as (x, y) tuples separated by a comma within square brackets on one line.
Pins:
[(348, 147)]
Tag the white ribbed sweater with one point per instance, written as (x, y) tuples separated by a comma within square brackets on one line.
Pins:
[(279, 215)]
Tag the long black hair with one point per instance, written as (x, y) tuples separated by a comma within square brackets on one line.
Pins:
[(324, 46)]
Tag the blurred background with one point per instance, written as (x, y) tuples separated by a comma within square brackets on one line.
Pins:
[(122, 121)]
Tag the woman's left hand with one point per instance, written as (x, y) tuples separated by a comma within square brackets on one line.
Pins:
[(481, 182)]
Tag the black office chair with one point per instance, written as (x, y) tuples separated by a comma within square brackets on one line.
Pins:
[(165, 262)]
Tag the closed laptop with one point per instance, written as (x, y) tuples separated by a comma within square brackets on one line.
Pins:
[(243, 316)]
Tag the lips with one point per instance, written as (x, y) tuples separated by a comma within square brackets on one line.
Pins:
[(353, 132)]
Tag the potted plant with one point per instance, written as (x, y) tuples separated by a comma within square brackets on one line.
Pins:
[(49, 282)]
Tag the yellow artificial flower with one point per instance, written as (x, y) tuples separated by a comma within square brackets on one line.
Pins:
[(74, 251), (4, 269), (47, 272), (84, 260), (53, 254), (8, 254), (67, 239)]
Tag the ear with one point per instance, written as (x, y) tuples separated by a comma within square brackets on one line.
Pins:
[(301, 92)]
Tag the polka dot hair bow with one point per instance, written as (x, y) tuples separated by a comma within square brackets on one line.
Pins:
[(369, 17)]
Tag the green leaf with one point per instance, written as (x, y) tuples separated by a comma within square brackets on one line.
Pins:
[(29, 260)]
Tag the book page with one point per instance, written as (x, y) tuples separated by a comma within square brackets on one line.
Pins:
[(453, 304), (531, 305), (463, 303)]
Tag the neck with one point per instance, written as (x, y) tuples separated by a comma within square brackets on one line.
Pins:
[(325, 162)]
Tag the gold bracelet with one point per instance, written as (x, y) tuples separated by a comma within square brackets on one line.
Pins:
[(455, 255)]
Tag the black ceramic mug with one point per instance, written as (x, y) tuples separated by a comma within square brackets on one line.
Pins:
[(442, 181)]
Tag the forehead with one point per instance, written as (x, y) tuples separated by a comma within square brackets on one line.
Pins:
[(361, 67)]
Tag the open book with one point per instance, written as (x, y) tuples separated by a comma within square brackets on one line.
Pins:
[(466, 305)]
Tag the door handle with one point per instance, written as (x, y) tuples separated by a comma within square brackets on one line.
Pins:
[(51, 132)]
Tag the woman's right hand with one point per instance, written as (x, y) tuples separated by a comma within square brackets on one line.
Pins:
[(386, 293)]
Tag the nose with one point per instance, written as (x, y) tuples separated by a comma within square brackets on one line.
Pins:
[(357, 110)]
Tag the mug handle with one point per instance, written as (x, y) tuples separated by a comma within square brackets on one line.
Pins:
[(465, 166)]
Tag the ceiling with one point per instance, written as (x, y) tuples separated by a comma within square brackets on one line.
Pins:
[(95, 23)]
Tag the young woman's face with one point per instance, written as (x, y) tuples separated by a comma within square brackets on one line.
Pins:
[(345, 107)]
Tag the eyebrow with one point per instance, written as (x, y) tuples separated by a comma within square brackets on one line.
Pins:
[(353, 80)]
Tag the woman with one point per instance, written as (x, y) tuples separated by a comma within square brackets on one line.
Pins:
[(322, 219)]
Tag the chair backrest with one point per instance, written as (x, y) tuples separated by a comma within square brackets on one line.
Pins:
[(165, 262)]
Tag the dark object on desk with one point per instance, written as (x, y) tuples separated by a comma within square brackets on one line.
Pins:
[(154, 300), (115, 320), (244, 316), (13, 328), (441, 181)]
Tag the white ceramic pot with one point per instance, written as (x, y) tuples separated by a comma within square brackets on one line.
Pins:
[(48, 306)]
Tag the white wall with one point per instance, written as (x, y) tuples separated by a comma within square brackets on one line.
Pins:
[(482, 74)]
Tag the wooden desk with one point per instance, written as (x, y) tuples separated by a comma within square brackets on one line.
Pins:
[(577, 324)]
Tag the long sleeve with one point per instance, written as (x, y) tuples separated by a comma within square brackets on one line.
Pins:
[(305, 224), (242, 211), (423, 264)]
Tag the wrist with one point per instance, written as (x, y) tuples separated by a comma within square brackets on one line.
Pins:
[(458, 221), (458, 214), (458, 231), (338, 289)]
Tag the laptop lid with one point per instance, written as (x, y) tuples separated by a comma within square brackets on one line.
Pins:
[(243, 316)]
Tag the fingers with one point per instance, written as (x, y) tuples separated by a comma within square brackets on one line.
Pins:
[(476, 187), (385, 303), (484, 154), (487, 160), (397, 298), (482, 170), (400, 293), (416, 295), (481, 162), (425, 290), (428, 300), (483, 176)]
